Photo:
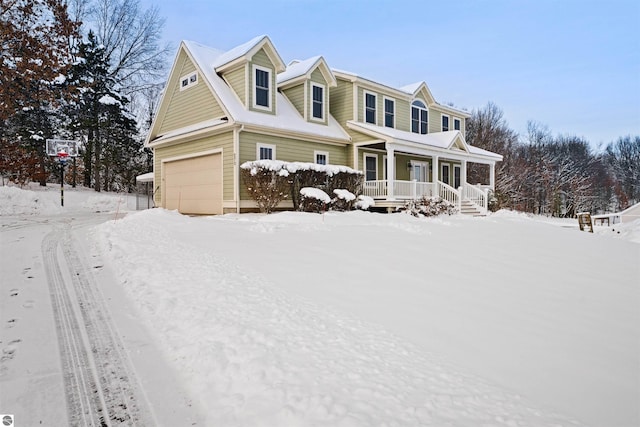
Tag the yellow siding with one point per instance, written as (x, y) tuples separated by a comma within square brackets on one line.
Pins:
[(262, 59), (296, 96), (237, 80), (224, 141), (435, 120), (341, 102), (287, 149), (190, 106), (403, 115)]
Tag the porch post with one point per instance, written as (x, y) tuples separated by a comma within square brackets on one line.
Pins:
[(463, 173), (492, 176), (391, 172), (435, 175)]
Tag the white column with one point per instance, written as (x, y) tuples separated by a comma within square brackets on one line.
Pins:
[(391, 172), (492, 176), (435, 175), (463, 173)]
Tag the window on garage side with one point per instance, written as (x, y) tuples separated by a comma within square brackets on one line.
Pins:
[(265, 152), (321, 157)]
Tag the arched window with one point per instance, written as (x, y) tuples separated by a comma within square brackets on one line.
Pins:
[(419, 117)]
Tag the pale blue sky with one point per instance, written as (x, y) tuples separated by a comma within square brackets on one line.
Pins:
[(573, 65)]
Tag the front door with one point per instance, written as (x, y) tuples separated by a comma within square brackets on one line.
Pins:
[(419, 171), (444, 175), (456, 176)]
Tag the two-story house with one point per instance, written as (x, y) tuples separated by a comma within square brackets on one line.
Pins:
[(220, 109)]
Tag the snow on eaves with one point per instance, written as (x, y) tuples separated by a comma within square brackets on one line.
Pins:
[(188, 129), (286, 117), (412, 88)]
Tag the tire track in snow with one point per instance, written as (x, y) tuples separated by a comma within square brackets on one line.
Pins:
[(100, 384)]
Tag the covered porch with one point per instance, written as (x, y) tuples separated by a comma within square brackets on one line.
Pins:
[(400, 166)]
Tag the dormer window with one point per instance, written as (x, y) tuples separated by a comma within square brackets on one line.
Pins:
[(262, 88), (188, 80), (317, 101), (456, 123), (445, 123), (419, 117), (370, 107)]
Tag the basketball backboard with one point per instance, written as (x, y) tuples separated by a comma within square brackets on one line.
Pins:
[(55, 146)]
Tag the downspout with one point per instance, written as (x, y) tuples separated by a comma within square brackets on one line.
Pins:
[(236, 166)]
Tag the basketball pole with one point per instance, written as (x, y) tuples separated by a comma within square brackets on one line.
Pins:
[(61, 182)]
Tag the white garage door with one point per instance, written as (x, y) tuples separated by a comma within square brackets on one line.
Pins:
[(194, 185)]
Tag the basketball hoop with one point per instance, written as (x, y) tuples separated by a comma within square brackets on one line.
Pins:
[(63, 156)]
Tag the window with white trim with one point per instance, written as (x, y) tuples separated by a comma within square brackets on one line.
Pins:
[(265, 152), (262, 87), (456, 123), (370, 167), (445, 123), (321, 157), (188, 80), (370, 107), (389, 113), (419, 117), (317, 101)]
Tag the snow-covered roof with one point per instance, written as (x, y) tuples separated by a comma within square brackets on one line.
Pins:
[(441, 140), (297, 69), (188, 129), (412, 88), (145, 177), (244, 49), (286, 117)]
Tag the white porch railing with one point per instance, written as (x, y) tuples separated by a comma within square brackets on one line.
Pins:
[(406, 190), (477, 195), (402, 190)]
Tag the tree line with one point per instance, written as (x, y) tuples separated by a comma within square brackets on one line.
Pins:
[(87, 70), (558, 176)]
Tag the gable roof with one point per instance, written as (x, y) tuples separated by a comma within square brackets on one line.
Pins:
[(243, 53), (300, 70), (450, 141), (286, 117)]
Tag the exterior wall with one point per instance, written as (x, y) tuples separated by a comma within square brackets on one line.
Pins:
[(287, 149), (341, 103), (237, 80), (224, 141), (192, 105), (296, 96), (261, 59)]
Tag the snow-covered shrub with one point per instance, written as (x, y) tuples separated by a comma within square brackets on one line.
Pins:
[(313, 200), (428, 206), (267, 183), (364, 202), (297, 175), (343, 201)]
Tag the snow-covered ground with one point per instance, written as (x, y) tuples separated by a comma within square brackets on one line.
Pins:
[(361, 319)]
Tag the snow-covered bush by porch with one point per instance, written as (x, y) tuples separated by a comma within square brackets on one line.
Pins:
[(314, 200), (298, 175), (343, 201), (428, 206), (364, 202)]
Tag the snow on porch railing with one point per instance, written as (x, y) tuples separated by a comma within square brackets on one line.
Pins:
[(449, 194), (476, 195)]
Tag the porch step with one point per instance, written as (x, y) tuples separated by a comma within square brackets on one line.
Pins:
[(468, 208)]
